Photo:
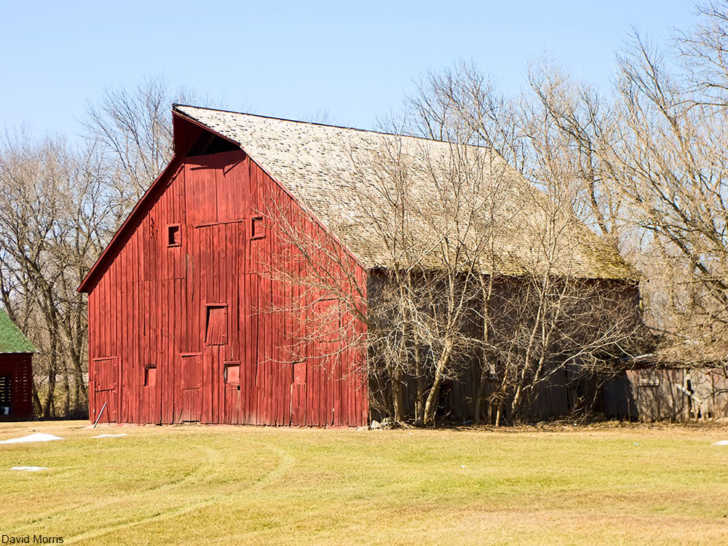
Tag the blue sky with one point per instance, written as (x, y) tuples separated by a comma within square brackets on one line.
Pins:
[(348, 63)]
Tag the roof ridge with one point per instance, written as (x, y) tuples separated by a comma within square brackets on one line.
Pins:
[(320, 124)]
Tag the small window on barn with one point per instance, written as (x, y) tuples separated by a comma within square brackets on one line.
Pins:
[(216, 325), (150, 375), (174, 235), (299, 373), (257, 227), (232, 373)]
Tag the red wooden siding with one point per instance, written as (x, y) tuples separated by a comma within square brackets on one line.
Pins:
[(189, 324), (16, 382)]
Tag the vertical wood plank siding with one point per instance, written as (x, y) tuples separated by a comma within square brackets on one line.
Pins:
[(186, 323)]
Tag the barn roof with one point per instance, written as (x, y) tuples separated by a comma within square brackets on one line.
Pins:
[(321, 164), (12, 339)]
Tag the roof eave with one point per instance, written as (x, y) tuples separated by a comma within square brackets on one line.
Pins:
[(193, 121)]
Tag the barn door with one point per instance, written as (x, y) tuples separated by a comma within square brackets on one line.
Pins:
[(218, 252), (189, 406), (106, 389), (232, 400), (298, 394)]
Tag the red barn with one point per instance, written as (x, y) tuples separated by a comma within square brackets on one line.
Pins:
[(184, 323), (192, 315), (16, 372)]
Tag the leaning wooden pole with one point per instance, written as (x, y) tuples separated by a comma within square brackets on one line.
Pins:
[(99, 415)]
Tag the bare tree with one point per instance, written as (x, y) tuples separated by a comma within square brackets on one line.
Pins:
[(60, 206), (53, 222), (658, 151), (132, 128)]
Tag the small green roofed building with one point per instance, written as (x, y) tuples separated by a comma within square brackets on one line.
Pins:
[(16, 372)]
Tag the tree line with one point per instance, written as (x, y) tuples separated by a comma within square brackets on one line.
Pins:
[(60, 203)]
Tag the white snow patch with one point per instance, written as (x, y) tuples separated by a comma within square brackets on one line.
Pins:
[(29, 468), (109, 435), (37, 437), (721, 443)]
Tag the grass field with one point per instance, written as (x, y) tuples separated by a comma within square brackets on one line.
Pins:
[(227, 485)]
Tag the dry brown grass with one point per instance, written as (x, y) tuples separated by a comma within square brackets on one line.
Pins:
[(223, 484)]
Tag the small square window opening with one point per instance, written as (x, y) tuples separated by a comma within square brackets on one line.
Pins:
[(257, 227), (232, 373), (150, 375), (216, 325), (174, 235)]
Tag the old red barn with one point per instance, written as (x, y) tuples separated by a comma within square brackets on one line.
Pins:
[(186, 324), (193, 315)]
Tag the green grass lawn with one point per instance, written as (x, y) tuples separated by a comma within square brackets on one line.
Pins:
[(226, 485)]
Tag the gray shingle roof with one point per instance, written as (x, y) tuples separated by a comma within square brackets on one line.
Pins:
[(319, 165), (12, 339)]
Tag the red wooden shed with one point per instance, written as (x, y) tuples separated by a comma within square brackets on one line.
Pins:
[(16, 372), (187, 323)]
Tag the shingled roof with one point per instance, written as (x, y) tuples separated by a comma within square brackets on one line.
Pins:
[(12, 339), (317, 164)]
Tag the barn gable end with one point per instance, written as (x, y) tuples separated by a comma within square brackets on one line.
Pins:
[(187, 321)]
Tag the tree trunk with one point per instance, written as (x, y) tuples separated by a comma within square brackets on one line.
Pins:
[(432, 397), (81, 391), (479, 390), (420, 394), (515, 404), (397, 397), (486, 291), (49, 406), (80, 388), (66, 392), (37, 406)]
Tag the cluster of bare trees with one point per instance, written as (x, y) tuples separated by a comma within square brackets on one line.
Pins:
[(60, 202), (651, 161), (480, 281), (645, 167), (482, 277), (52, 221)]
